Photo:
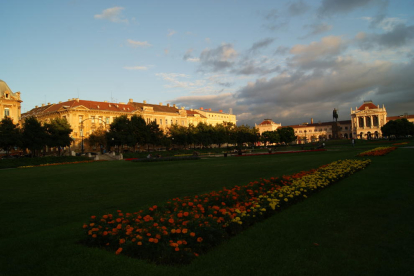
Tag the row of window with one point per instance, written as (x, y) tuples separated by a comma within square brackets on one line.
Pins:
[(100, 120)]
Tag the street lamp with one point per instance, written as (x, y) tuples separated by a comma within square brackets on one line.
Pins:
[(305, 136), (81, 126)]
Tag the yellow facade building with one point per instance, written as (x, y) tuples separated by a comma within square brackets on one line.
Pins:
[(9, 103), (85, 117)]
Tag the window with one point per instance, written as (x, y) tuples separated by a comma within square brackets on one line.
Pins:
[(160, 122), (100, 120), (107, 120), (80, 118), (7, 95), (93, 119), (166, 121), (6, 112)]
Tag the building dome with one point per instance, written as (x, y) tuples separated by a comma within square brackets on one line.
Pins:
[(4, 87)]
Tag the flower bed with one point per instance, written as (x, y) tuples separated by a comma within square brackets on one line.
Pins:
[(377, 151), (62, 163), (183, 228), (282, 152), (400, 144)]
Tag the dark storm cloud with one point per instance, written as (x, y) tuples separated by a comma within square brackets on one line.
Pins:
[(298, 8), (261, 44), (317, 28), (399, 36), (290, 98), (330, 7), (218, 59)]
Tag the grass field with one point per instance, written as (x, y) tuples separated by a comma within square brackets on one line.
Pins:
[(363, 225)]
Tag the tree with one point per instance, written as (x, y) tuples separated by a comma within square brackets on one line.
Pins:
[(400, 128), (244, 134), (203, 134), (155, 134), (119, 133), (98, 138), (9, 135), (34, 136), (179, 135), (270, 137), (58, 131), (139, 131), (286, 134), (219, 135)]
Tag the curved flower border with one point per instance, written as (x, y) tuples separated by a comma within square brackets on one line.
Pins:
[(380, 151), (184, 228)]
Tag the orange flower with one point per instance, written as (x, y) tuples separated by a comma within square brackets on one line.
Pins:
[(139, 243), (121, 241), (105, 216), (171, 220), (199, 239), (180, 215), (91, 224), (150, 239), (186, 214), (118, 220), (192, 234), (93, 217), (155, 240), (177, 249), (178, 231), (185, 231), (118, 251), (85, 226), (173, 231), (94, 236)]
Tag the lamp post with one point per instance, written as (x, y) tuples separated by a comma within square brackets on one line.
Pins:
[(82, 136), (305, 136)]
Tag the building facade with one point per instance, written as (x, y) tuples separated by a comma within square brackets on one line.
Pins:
[(85, 117), (366, 122), (9, 103)]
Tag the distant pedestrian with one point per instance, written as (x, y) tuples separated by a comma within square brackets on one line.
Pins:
[(353, 142)]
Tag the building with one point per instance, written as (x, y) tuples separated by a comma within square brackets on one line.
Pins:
[(9, 103), (267, 125), (366, 122), (87, 116)]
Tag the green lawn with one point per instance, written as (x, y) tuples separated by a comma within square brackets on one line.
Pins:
[(363, 225)]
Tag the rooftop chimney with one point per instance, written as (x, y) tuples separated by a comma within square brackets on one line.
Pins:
[(160, 104), (131, 100), (174, 106), (43, 104), (144, 102), (168, 104), (311, 120), (201, 108)]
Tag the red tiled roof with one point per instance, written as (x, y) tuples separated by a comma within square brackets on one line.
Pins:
[(92, 105), (192, 113), (392, 118), (370, 105), (266, 122)]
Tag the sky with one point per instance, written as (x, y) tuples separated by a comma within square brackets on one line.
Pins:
[(289, 61)]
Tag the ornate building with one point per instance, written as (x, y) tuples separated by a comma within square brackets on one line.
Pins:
[(267, 125), (9, 103), (87, 116), (366, 122)]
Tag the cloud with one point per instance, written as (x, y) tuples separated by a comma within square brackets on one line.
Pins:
[(383, 22), (325, 50), (261, 44), (171, 32), (399, 36), (282, 50), (217, 59), (298, 8), (330, 7), (175, 81), (317, 28), (140, 68), (223, 101), (134, 43), (112, 14)]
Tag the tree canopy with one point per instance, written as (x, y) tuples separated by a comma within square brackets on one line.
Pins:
[(400, 128)]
